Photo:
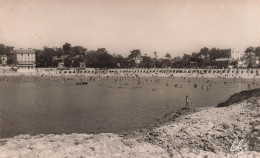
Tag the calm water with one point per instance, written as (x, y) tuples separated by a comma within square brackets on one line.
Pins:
[(102, 106)]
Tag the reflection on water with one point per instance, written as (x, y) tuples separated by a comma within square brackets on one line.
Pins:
[(102, 106)]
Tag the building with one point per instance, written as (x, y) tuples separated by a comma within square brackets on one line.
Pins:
[(249, 61), (82, 64), (234, 54), (138, 59), (223, 62), (61, 59), (25, 60), (3, 59), (242, 63)]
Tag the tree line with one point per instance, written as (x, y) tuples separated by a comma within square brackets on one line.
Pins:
[(101, 58)]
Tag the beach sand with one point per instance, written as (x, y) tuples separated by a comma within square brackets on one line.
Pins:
[(206, 132)]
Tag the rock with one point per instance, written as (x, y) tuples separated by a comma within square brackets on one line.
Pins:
[(11, 146), (257, 127)]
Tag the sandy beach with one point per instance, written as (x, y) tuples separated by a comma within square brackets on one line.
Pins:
[(230, 131), (159, 72)]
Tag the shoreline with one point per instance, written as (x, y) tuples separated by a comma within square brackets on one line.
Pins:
[(209, 132), (85, 76)]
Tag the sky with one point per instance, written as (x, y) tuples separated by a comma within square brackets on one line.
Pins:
[(164, 26)]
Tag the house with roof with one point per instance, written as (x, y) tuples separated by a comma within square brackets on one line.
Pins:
[(78, 60), (25, 60), (61, 60)]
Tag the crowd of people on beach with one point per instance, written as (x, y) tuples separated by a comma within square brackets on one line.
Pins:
[(140, 80)]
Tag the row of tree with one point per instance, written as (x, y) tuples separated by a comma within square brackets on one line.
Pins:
[(100, 58)]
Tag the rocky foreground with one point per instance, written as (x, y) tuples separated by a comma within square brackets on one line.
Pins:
[(231, 131)]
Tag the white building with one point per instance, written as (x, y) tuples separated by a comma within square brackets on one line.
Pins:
[(26, 60), (235, 55), (138, 59)]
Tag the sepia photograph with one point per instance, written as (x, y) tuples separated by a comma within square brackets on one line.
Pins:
[(129, 78)]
